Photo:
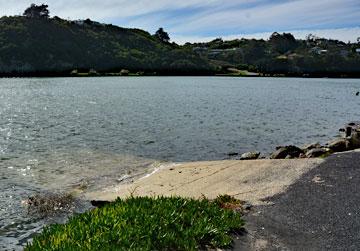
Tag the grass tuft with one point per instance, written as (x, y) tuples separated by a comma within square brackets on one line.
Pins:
[(144, 223), (229, 202)]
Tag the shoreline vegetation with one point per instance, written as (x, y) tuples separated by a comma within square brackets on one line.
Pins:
[(144, 223), (229, 72), (241, 75), (37, 45)]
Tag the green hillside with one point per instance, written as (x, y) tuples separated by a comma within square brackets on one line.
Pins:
[(36, 45), (53, 46), (282, 54)]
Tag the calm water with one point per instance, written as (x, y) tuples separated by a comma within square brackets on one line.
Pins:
[(58, 133)]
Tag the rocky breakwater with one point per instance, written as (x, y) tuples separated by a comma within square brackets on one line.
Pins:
[(349, 139)]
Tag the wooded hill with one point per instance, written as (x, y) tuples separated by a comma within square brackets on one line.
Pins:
[(36, 45), (53, 46)]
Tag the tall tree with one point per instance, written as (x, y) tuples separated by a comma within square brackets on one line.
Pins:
[(37, 11), (282, 42), (162, 35)]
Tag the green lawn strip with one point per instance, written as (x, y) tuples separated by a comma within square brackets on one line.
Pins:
[(144, 223)]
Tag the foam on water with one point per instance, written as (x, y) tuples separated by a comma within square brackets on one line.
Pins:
[(159, 168)]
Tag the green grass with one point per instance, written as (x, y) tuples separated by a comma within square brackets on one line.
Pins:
[(143, 223)]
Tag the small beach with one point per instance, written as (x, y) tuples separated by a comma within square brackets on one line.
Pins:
[(248, 180)]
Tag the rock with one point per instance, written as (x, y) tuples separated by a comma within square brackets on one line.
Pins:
[(354, 139), (302, 156), (280, 153), (317, 152), (308, 147), (232, 154), (348, 131), (286, 152), (351, 132), (339, 145), (247, 206), (250, 156)]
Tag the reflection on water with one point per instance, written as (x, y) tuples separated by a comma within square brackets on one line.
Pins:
[(69, 133)]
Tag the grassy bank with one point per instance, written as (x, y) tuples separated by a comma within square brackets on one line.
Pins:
[(143, 223)]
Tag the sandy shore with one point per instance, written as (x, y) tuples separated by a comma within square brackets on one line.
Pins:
[(250, 181)]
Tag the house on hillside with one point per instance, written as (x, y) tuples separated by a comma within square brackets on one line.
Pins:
[(200, 49), (357, 50), (218, 51), (79, 22), (318, 50)]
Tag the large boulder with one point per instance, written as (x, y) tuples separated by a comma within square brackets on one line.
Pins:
[(351, 132), (283, 152), (311, 146), (250, 156), (339, 145), (354, 139), (317, 152)]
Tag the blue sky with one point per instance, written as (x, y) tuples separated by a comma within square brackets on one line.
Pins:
[(198, 20)]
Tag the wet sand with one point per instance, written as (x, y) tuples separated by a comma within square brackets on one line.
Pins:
[(251, 181)]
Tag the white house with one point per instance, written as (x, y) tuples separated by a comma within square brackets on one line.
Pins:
[(318, 50)]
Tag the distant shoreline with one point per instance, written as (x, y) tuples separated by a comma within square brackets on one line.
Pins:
[(84, 75), (86, 48)]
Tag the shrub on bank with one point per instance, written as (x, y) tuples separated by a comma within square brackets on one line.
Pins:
[(143, 223)]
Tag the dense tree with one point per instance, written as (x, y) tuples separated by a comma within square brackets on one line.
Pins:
[(162, 35), (282, 42), (37, 11), (311, 37), (88, 21), (61, 46)]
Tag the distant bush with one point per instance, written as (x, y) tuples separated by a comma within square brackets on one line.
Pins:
[(144, 224)]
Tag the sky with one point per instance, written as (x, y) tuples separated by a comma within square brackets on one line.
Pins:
[(199, 20)]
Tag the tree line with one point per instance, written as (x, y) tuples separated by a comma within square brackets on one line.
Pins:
[(36, 44)]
